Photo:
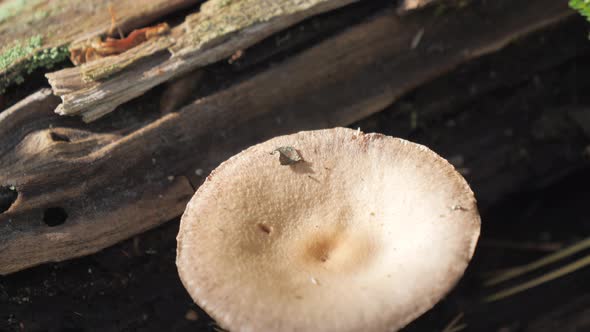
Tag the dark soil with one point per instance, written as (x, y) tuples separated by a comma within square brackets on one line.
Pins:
[(134, 286)]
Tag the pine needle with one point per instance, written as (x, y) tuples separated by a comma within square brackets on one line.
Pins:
[(453, 326), (562, 271), (549, 259)]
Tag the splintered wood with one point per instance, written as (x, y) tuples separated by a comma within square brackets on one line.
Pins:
[(217, 32), (36, 33)]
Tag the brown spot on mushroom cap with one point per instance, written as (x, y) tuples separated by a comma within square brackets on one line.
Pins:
[(377, 233)]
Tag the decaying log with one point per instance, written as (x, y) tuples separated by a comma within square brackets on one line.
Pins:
[(219, 30), (107, 185), (37, 33), (67, 161)]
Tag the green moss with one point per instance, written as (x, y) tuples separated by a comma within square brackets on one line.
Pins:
[(236, 16), (19, 50), (26, 56), (47, 58), (101, 73), (582, 6)]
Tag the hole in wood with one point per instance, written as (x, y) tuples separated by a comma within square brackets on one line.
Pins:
[(7, 197), (59, 137), (54, 216)]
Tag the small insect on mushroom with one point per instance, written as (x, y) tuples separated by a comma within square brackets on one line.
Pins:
[(96, 48), (288, 155)]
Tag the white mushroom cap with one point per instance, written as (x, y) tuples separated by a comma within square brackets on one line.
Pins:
[(365, 233)]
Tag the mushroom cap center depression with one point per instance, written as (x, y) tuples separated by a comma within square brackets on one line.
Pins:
[(363, 222)]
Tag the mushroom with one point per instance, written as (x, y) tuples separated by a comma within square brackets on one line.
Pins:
[(361, 232)]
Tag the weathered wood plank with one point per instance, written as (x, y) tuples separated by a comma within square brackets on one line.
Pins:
[(122, 183)]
